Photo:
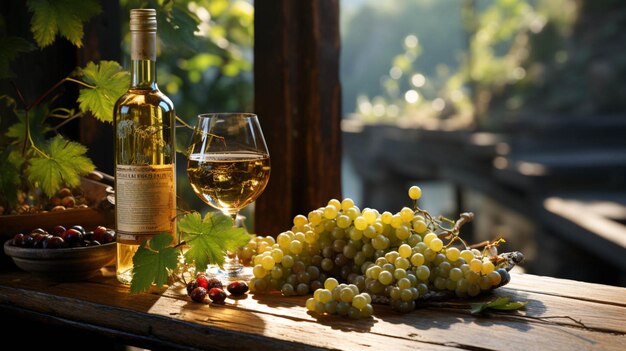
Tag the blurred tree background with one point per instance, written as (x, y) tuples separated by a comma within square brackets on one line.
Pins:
[(483, 63)]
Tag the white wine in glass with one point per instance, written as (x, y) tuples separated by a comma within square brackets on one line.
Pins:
[(228, 167)]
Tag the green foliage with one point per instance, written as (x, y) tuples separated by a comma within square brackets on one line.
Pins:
[(109, 81), (210, 238), (62, 164), (64, 17), (9, 179), (499, 304), (153, 262), (11, 48)]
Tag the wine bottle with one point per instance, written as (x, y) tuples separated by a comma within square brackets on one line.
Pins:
[(144, 121)]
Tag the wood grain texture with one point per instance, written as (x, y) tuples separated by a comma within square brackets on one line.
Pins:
[(298, 101), (272, 321)]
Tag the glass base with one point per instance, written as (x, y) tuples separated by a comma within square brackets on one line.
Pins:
[(230, 274)]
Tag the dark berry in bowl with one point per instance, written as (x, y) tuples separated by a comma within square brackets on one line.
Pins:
[(58, 230), (79, 228), (18, 240), (55, 242), (72, 236)]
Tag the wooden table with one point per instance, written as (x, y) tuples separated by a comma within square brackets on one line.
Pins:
[(560, 315)]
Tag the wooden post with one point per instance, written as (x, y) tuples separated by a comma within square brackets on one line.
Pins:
[(298, 100)]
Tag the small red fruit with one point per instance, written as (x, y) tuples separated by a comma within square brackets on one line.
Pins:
[(99, 232), (215, 283), (203, 282), (191, 286), (217, 295), (198, 294), (237, 288)]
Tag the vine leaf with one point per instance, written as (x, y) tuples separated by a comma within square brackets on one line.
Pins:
[(210, 238), (153, 262), (110, 81), (11, 48), (63, 164), (9, 179), (501, 303), (64, 17)]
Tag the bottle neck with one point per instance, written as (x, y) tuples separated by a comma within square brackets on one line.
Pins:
[(143, 74), (143, 58)]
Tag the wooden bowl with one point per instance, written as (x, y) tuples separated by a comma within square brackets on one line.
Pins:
[(68, 264)]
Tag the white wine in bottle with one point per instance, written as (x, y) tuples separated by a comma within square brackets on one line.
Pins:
[(144, 120)]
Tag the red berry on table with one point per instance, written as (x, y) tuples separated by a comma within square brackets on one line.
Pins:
[(198, 294), (217, 295), (191, 286), (237, 288), (203, 282)]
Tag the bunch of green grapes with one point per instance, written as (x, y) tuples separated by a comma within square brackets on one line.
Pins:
[(398, 257)]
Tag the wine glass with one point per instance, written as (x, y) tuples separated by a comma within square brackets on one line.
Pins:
[(228, 168)]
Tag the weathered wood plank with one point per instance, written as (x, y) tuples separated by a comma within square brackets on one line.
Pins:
[(276, 322), (569, 288)]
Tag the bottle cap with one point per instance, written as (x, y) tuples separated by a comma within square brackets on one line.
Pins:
[(143, 20)]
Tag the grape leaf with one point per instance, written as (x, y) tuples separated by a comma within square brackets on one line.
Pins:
[(63, 164), (64, 17), (110, 83), (38, 127), (9, 179), (11, 48), (153, 262), (501, 303), (210, 238)]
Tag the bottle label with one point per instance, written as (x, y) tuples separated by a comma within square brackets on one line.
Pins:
[(145, 201)]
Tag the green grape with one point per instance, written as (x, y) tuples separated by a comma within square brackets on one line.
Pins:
[(436, 244), (455, 274), (417, 259), (402, 263), (396, 221), (355, 234), (453, 254), (324, 295), (494, 278), (343, 221), (406, 295), (475, 265), (330, 212), (415, 192), (487, 267), (276, 272), (391, 256), (385, 277), (259, 271), (369, 215), (347, 204), (406, 214), (360, 223), (346, 294), (331, 307), (404, 251), (300, 221), (413, 239), (310, 304), (367, 311), (380, 242), (422, 272), (420, 226), (370, 232), (386, 217), (359, 302), (399, 273), (267, 263), (353, 213), (404, 283)]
